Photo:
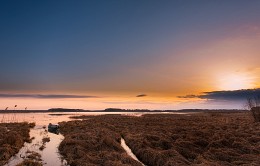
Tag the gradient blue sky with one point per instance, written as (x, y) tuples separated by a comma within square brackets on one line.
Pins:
[(115, 50)]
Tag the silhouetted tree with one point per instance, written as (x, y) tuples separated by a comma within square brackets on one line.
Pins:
[(253, 104)]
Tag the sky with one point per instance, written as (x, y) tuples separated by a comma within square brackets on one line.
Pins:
[(167, 54)]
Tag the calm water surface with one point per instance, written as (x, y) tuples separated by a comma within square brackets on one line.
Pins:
[(50, 155)]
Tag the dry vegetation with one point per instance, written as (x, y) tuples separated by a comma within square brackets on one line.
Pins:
[(164, 139), (33, 159), (44, 140), (12, 138), (89, 144), (256, 113), (28, 162)]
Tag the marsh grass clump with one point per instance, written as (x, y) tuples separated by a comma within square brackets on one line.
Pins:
[(12, 138), (34, 156), (29, 162), (45, 139), (42, 147), (164, 139), (90, 143), (33, 159)]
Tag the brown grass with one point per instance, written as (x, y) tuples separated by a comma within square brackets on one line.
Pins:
[(256, 113), (34, 159), (29, 162), (44, 140), (12, 138), (163, 139), (92, 144)]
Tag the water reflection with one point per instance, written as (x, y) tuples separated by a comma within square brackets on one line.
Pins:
[(129, 151), (49, 151)]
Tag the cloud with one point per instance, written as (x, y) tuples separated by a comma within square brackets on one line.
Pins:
[(44, 96), (226, 95), (188, 96), (141, 95)]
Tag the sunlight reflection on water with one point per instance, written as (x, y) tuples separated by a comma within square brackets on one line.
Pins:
[(50, 154)]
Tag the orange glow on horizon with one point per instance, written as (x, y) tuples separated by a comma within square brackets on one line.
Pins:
[(235, 82)]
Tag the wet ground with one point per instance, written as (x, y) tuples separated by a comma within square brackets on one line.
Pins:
[(47, 149)]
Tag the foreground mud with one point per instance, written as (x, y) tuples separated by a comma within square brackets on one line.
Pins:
[(12, 138), (164, 139)]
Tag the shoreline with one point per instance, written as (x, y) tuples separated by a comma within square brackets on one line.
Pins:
[(124, 111)]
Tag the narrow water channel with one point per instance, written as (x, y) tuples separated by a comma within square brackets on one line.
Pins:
[(49, 154), (129, 151)]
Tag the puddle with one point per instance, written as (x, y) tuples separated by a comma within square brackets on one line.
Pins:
[(129, 151), (49, 155)]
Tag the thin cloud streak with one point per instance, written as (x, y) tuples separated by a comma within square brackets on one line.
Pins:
[(226, 95), (141, 95), (43, 96)]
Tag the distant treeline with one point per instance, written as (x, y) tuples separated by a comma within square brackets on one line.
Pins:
[(117, 110), (65, 110), (125, 110)]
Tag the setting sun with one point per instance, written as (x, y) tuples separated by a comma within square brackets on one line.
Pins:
[(235, 82)]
